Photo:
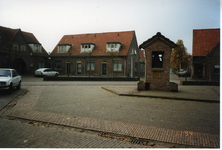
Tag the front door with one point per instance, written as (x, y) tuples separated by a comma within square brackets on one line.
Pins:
[(68, 65), (104, 66), (79, 68)]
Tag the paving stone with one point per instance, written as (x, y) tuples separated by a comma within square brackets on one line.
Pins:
[(27, 104)]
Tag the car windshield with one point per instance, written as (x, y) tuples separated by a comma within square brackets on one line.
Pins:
[(5, 73)]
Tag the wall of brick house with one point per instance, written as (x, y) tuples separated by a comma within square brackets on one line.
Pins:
[(163, 82), (212, 60), (97, 65)]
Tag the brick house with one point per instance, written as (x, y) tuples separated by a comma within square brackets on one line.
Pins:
[(97, 54), (206, 54), (21, 50)]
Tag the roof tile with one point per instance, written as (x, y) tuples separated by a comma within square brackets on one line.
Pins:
[(205, 40), (100, 39)]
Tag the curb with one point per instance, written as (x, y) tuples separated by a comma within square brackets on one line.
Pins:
[(164, 97)]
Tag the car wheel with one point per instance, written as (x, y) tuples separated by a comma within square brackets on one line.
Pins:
[(56, 75), (10, 89), (19, 86)]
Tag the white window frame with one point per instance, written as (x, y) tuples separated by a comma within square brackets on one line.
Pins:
[(87, 48), (117, 65), (37, 48), (113, 47), (64, 48), (23, 48)]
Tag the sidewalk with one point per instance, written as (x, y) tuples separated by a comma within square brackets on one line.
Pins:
[(191, 93)]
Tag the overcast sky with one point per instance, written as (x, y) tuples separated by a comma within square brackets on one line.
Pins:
[(49, 20)]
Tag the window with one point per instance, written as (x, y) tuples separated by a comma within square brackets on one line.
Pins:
[(14, 73), (15, 47), (216, 68), (41, 64), (92, 65), (58, 64), (31, 64), (157, 59), (117, 65), (113, 47), (87, 47), (23, 48), (37, 48), (62, 49)]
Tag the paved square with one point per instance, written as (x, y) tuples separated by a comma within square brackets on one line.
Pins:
[(96, 109)]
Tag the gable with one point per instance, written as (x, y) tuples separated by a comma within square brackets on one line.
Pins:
[(7, 36), (204, 41), (99, 39), (158, 37)]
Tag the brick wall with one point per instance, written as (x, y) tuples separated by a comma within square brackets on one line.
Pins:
[(158, 77), (98, 61), (157, 64), (209, 65)]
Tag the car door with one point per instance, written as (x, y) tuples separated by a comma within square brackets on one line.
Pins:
[(47, 72), (51, 73), (15, 79)]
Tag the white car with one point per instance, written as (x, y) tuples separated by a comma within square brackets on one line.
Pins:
[(9, 79), (46, 72)]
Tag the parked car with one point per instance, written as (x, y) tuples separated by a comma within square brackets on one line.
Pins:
[(183, 74), (46, 72), (9, 79)]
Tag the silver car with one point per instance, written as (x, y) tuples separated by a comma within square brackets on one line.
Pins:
[(9, 79), (46, 72)]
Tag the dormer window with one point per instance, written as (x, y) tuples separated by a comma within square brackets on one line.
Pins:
[(113, 46), (36, 47), (63, 48), (87, 47)]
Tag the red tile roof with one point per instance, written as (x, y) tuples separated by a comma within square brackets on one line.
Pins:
[(205, 40), (30, 38), (7, 35), (100, 39)]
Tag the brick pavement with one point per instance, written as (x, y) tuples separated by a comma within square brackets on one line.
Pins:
[(14, 134), (6, 98), (25, 109)]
